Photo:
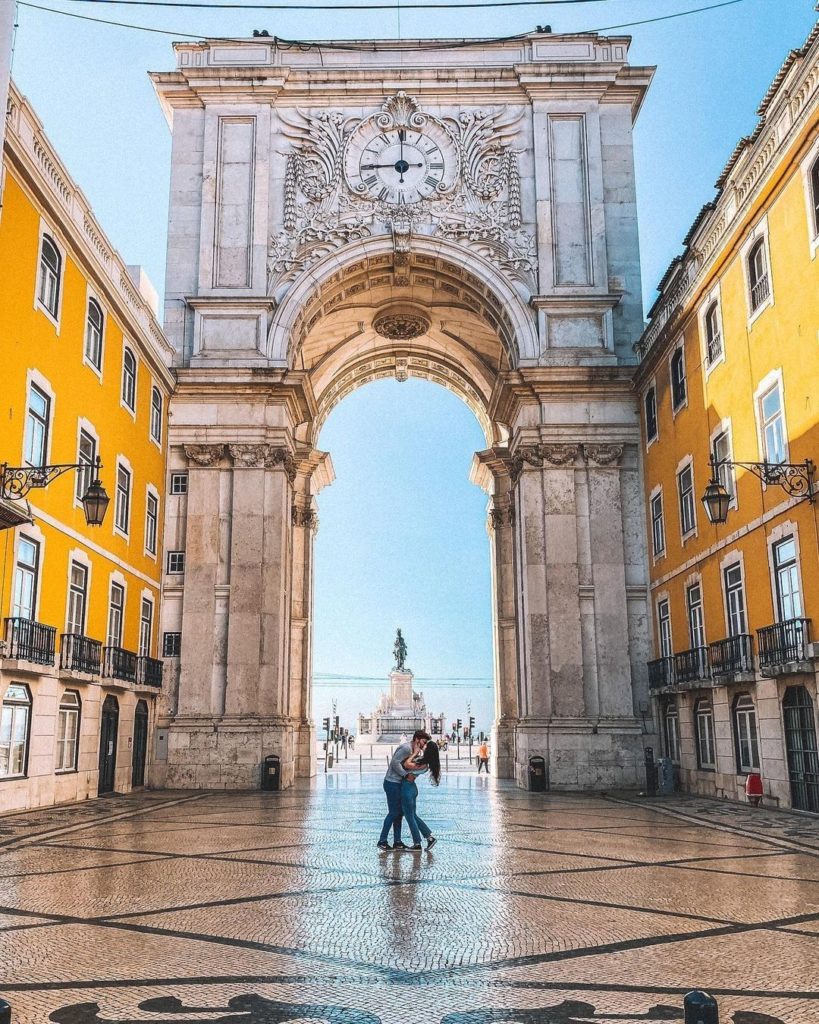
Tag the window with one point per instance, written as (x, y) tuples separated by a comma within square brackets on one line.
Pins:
[(814, 194), (786, 575), (156, 414), (93, 334), (713, 334), (758, 280), (704, 722), (650, 405), (772, 425), (116, 604), (172, 645), (685, 487), (37, 417), (86, 457), (48, 287), (745, 736), (696, 623), (176, 561), (26, 574), (734, 599), (664, 620), (68, 731), (179, 483), (678, 392), (722, 454), (146, 619), (657, 524), (151, 516), (671, 731), (14, 721), (77, 598), (129, 379), (123, 499)]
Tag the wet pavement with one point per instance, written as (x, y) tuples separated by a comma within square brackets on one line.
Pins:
[(532, 909)]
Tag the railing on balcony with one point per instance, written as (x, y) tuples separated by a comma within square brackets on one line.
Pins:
[(783, 642), (80, 653), (119, 664), (27, 640), (760, 291), (660, 673), (149, 671), (693, 665), (732, 655)]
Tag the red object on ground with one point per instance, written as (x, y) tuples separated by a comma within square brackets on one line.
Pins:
[(753, 788)]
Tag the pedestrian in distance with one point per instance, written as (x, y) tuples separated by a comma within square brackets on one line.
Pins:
[(427, 761), (483, 757), (396, 773)]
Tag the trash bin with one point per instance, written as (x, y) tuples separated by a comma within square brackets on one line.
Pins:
[(665, 776), (651, 772), (537, 775), (271, 772)]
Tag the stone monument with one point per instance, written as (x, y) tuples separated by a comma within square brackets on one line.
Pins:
[(401, 711)]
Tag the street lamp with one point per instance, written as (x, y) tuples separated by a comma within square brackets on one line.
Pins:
[(795, 478), (17, 481)]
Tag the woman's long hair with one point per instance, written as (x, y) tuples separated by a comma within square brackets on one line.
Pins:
[(432, 759)]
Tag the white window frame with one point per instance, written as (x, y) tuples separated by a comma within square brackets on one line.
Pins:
[(146, 597), (759, 231), (15, 704), (813, 229), (695, 581), (152, 492), (678, 347), (46, 229), (66, 712), (156, 390), (657, 492), (116, 579), (733, 558), (752, 766), (767, 384), (682, 465), (81, 558), (649, 441), (175, 474), (779, 533), (31, 535), (84, 426), (664, 599), (127, 347), (702, 717), (121, 461), (674, 754), (725, 428), (174, 572), (713, 297)]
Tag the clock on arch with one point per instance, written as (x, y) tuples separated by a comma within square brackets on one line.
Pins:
[(401, 156)]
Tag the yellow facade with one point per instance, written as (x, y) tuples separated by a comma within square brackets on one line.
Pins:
[(759, 372), (53, 354)]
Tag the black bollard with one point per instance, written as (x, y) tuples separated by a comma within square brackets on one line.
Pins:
[(5, 1012), (700, 1008), (651, 772)]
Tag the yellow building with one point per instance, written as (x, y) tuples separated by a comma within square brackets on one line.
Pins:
[(729, 367), (85, 376)]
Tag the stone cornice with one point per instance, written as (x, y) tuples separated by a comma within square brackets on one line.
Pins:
[(230, 385), (536, 384), (565, 455), (31, 155)]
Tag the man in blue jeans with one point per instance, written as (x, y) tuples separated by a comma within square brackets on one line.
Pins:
[(392, 787)]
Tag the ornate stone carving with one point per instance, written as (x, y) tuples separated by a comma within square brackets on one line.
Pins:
[(559, 454), (305, 517), (400, 324), (482, 212), (280, 457), (204, 454), (526, 455), (603, 454), (502, 515), (538, 454), (250, 456)]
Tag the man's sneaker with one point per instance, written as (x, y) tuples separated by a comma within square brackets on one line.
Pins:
[(383, 846), (431, 841), (416, 848), (399, 846)]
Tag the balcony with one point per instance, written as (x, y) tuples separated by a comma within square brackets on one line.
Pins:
[(27, 640), (760, 291), (149, 672), (784, 647), (661, 673), (692, 666), (80, 653), (733, 656), (119, 664)]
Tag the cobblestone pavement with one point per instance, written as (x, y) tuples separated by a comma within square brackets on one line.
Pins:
[(266, 908)]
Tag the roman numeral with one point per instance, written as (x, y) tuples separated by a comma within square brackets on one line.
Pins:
[(370, 180), (431, 181), (382, 195), (436, 167), (429, 150)]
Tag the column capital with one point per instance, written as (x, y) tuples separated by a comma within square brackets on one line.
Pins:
[(204, 454), (603, 454), (502, 514), (304, 517)]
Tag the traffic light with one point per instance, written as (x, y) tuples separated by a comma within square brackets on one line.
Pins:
[(325, 724), (458, 725), (336, 725), (471, 723)]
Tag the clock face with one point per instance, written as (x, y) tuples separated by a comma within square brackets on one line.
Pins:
[(400, 165)]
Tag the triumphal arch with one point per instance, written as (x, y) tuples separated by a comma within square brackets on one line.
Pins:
[(463, 212)]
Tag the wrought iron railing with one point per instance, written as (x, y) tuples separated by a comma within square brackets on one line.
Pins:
[(732, 655), (661, 673), (760, 291), (27, 640), (149, 671), (783, 642), (692, 665), (80, 653), (119, 664)]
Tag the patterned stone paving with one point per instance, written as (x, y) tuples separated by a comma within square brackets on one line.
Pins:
[(277, 908)]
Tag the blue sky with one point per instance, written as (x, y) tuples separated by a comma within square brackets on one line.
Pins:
[(402, 537)]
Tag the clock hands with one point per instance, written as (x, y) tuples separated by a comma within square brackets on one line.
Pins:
[(399, 165)]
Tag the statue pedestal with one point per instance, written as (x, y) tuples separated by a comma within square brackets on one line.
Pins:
[(401, 690)]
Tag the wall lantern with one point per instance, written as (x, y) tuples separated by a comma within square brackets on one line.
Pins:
[(17, 481), (794, 478)]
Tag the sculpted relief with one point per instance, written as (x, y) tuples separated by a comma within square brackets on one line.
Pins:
[(401, 171)]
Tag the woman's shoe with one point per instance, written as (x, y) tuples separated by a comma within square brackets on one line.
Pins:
[(431, 841), (416, 848), (383, 846), (399, 846)]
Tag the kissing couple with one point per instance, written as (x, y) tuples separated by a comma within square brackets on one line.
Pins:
[(419, 757)]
